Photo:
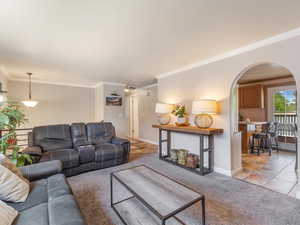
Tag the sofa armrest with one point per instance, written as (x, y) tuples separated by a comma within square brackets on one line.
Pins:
[(117, 140), (33, 151), (125, 146), (41, 170)]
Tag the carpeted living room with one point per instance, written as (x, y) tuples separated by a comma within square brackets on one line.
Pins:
[(133, 112)]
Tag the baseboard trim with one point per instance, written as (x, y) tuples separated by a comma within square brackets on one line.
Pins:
[(229, 173), (234, 172), (223, 171), (148, 141)]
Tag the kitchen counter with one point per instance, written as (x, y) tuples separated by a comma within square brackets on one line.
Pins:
[(247, 130), (252, 123)]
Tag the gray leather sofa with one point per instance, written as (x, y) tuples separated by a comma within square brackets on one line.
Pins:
[(80, 147), (50, 201)]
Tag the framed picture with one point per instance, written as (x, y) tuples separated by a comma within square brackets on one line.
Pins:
[(114, 100)]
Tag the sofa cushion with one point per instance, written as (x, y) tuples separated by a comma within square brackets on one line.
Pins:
[(99, 133), (52, 137), (59, 211), (108, 151), (13, 186), (7, 214), (44, 190), (68, 157), (37, 215), (86, 153), (64, 211), (79, 135)]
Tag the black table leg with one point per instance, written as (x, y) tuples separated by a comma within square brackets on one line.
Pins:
[(201, 166), (111, 190), (203, 211), (168, 142), (160, 143)]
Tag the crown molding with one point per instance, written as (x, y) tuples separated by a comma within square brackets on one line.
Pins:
[(148, 86), (114, 83), (52, 83), (259, 44), (108, 83)]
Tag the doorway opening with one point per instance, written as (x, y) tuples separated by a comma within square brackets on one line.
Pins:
[(264, 118), (133, 117)]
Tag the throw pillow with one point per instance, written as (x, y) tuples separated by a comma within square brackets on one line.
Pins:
[(7, 214), (13, 186)]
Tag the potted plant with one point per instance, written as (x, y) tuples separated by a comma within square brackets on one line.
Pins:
[(12, 117), (180, 112)]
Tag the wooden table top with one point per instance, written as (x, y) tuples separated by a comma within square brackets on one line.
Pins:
[(190, 129)]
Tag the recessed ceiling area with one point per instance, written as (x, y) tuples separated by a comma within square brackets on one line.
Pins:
[(86, 42), (266, 71)]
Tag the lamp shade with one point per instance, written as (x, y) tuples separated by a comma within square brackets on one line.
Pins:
[(204, 106), (30, 103), (163, 108)]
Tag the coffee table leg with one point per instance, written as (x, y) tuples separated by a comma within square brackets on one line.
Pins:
[(203, 211), (111, 190)]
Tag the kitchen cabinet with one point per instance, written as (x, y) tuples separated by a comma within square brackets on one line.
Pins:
[(251, 97)]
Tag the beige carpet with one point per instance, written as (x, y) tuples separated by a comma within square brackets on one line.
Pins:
[(229, 201)]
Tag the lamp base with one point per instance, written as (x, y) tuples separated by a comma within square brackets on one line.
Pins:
[(164, 119), (204, 120)]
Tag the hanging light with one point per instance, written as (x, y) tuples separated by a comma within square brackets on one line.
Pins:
[(30, 103), (129, 88), (2, 97)]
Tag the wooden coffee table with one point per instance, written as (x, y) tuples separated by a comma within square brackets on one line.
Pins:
[(153, 198)]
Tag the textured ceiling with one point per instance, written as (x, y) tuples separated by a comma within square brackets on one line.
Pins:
[(264, 71), (85, 42)]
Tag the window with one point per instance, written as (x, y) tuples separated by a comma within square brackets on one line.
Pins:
[(282, 107)]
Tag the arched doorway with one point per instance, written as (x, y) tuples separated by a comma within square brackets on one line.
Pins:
[(263, 126)]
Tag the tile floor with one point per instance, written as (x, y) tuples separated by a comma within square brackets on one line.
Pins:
[(276, 172)]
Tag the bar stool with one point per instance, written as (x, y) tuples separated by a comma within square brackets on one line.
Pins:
[(294, 129), (273, 137), (259, 140)]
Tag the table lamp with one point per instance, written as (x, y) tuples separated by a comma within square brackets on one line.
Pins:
[(164, 111), (203, 109)]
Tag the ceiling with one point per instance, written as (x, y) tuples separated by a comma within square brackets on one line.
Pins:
[(133, 41), (265, 71)]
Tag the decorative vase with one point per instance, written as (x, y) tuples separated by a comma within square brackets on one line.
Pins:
[(203, 120), (164, 119), (182, 154), (174, 155), (182, 121), (192, 160)]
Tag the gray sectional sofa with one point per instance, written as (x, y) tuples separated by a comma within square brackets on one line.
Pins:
[(50, 201), (80, 147)]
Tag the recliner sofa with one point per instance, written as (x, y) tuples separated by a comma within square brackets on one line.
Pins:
[(80, 147), (50, 201)]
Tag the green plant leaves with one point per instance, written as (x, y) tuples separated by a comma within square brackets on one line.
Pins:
[(4, 120), (11, 117)]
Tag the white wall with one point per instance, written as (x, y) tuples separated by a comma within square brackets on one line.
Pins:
[(99, 103), (147, 99), (214, 80), (57, 104)]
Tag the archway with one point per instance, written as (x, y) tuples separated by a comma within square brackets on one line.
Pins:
[(264, 96)]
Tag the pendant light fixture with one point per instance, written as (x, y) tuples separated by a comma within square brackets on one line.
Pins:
[(2, 97), (29, 102)]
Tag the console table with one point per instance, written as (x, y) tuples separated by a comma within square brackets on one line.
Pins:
[(202, 133)]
